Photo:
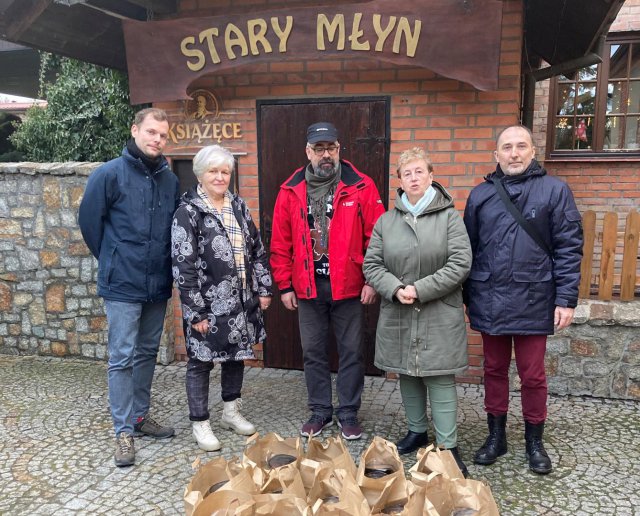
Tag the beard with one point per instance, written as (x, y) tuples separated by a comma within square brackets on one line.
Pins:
[(326, 168)]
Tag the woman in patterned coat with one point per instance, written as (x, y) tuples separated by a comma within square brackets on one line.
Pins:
[(221, 269)]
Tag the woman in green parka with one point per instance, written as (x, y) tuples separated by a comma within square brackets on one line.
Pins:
[(418, 257)]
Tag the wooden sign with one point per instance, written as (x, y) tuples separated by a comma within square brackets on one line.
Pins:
[(201, 122), (459, 39)]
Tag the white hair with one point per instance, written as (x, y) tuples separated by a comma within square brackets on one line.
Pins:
[(210, 157)]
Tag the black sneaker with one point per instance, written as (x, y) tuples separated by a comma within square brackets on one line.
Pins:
[(351, 428), (315, 425), (148, 426), (125, 450)]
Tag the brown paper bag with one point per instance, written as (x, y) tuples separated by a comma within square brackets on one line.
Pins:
[(412, 505), (336, 492), (208, 478), (243, 481), (444, 496), (285, 504), (225, 503), (380, 474), (473, 494), (285, 480), (309, 470), (333, 450), (415, 504), (234, 466), (264, 454), (328, 483), (432, 459), (437, 497)]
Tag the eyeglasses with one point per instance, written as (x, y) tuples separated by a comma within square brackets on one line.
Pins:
[(320, 150), (411, 173)]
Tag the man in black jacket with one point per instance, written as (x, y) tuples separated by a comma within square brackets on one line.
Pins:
[(125, 218), (523, 284)]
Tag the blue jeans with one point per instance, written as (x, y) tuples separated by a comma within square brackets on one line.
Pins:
[(134, 339)]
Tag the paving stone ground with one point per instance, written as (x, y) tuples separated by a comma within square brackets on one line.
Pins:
[(56, 446)]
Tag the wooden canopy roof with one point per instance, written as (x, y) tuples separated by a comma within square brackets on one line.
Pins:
[(91, 30)]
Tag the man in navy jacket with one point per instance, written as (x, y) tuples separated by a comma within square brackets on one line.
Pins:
[(125, 218), (517, 292)]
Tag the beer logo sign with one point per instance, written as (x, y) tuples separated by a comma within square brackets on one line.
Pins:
[(199, 123), (202, 105)]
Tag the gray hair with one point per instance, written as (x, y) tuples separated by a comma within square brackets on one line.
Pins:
[(210, 157)]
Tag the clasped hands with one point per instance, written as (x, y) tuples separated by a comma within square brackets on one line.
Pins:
[(407, 295)]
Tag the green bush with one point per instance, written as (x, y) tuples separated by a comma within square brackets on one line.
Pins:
[(88, 116)]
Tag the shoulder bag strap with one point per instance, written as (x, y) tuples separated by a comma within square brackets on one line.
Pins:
[(524, 223)]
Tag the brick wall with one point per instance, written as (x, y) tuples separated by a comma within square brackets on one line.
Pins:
[(628, 18), (454, 122), (602, 185)]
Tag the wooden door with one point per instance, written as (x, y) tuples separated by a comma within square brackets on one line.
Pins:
[(363, 126)]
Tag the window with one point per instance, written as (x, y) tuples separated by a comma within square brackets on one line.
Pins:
[(597, 112)]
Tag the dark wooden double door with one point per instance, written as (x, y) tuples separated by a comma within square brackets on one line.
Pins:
[(363, 125)]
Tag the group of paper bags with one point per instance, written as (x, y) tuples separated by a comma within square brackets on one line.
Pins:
[(275, 476)]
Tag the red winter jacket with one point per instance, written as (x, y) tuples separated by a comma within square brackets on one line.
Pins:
[(356, 208)]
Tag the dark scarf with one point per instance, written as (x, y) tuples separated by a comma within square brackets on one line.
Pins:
[(319, 190), (151, 163)]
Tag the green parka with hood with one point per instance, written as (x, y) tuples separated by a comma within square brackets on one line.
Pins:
[(433, 253)]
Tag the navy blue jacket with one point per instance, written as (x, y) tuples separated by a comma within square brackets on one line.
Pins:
[(514, 287), (125, 218)]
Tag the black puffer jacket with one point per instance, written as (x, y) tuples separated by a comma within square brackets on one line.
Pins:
[(514, 287), (210, 288)]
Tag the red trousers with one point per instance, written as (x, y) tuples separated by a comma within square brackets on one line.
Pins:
[(529, 351)]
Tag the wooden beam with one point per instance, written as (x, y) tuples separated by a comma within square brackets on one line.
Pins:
[(80, 33), (158, 6), (22, 14), (118, 9)]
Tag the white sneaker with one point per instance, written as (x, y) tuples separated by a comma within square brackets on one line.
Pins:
[(204, 436), (232, 419)]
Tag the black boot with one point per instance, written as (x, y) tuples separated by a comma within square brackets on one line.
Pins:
[(496, 443), (461, 465), (539, 461), (412, 441)]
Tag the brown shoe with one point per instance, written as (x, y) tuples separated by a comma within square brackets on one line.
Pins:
[(149, 426), (125, 450)]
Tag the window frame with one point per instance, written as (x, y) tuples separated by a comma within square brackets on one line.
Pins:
[(600, 115)]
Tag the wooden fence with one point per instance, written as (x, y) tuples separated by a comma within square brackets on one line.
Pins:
[(610, 257)]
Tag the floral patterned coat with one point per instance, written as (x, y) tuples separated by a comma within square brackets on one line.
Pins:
[(204, 271)]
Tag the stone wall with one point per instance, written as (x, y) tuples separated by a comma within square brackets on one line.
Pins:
[(599, 354), (48, 302)]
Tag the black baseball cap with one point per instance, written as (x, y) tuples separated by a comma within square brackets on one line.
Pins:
[(322, 132)]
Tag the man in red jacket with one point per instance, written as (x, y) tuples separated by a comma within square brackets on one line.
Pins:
[(322, 222)]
